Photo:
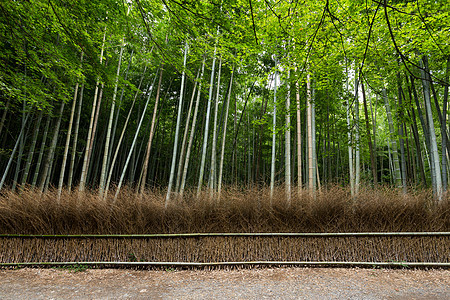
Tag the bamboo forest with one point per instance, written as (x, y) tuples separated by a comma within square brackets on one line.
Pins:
[(151, 116)]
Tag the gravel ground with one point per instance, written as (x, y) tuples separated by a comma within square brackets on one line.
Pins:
[(266, 283)]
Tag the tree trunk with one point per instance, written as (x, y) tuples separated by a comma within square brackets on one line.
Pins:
[(185, 135), (369, 136), (124, 170), (212, 172), (51, 153), (299, 141), (416, 137), (205, 136), (32, 148), (2, 121), (41, 153), (94, 143), (274, 135), (119, 143), (391, 165), (75, 139), (425, 128), (400, 133), (311, 169), (316, 177), (177, 130), (373, 112), (21, 147), (143, 179), (350, 150), (445, 145), (109, 128), (191, 137), (66, 148), (436, 170), (357, 140), (396, 165), (92, 124), (119, 108), (440, 117), (287, 151)]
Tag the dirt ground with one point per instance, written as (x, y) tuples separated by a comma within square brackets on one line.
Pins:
[(265, 283)]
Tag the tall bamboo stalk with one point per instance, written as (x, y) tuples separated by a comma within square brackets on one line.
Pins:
[(41, 153), (395, 162), (274, 135), (205, 136), (143, 179), (32, 148), (287, 152), (299, 140), (311, 153), (369, 136), (119, 143), (119, 108), (21, 149), (122, 176), (75, 139), (110, 122), (212, 172), (351, 165), (224, 136), (357, 139), (185, 135), (89, 140), (89, 173), (2, 121), (177, 130), (445, 146), (436, 170), (316, 177), (191, 137), (400, 133), (69, 132), (51, 154), (11, 157)]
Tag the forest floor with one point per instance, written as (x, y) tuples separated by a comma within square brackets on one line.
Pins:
[(264, 283)]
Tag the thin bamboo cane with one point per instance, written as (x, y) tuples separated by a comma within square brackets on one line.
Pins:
[(177, 130), (231, 234), (235, 263)]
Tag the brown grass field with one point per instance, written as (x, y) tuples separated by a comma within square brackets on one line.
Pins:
[(239, 210)]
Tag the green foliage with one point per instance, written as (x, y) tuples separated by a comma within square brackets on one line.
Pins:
[(42, 42)]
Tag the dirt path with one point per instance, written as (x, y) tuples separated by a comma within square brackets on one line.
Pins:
[(276, 283)]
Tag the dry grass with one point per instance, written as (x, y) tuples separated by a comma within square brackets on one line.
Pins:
[(333, 210), (218, 249)]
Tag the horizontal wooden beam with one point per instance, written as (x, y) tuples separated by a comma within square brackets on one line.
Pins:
[(248, 234), (233, 263)]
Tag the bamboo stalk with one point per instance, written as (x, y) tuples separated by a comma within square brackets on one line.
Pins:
[(231, 234), (235, 263)]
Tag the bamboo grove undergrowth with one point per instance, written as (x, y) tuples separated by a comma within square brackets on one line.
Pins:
[(239, 210)]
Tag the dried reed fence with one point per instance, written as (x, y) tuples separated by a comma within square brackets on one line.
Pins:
[(247, 211), (228, 248)]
